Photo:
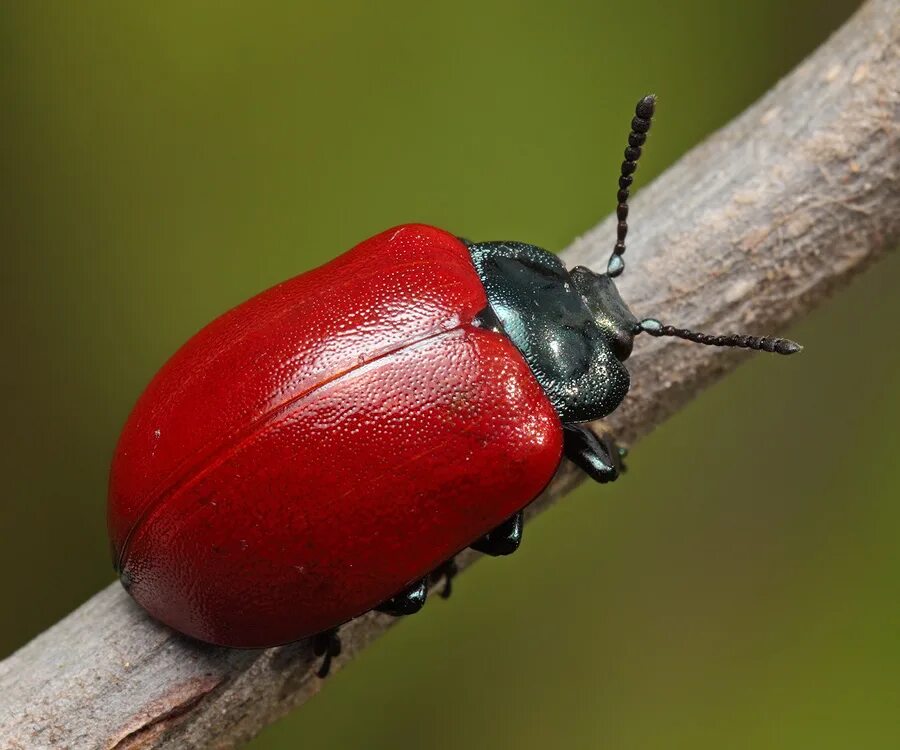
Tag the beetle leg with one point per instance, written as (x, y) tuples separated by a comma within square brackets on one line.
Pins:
[(327, 645), (504, 540), (447, 572), (407, 602), (599, 457)]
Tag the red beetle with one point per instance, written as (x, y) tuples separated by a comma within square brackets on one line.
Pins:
[(328, 446)]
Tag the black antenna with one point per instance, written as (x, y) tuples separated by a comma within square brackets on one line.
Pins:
[(640, 124), (739, 340)]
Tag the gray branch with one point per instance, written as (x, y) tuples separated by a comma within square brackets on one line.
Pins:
[(747, 232)]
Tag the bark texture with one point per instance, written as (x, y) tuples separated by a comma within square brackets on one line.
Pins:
[(747, 232)]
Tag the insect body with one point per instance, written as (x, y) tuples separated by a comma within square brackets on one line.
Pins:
[(328, 446)]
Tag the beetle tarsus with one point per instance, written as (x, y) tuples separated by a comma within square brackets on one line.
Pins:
[(503, 540), (407, 602), (328, 646), (599, 457)]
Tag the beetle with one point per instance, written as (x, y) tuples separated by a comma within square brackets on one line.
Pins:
[(327, 447)]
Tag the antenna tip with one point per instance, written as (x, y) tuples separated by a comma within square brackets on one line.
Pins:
[(646, 106), (786, 346)]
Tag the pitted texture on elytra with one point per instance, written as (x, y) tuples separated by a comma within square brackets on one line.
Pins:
[(247, 365), (543, 314), (387, 432)]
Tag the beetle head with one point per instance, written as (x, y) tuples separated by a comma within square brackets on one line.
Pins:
[(612, 316)]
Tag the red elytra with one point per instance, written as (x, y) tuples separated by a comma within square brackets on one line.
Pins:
[(327, 443)]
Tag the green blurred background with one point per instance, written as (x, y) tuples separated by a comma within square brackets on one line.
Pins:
[(162, 162)]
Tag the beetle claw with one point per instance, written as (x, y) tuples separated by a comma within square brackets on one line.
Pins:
[(328, 646), (447, 572)]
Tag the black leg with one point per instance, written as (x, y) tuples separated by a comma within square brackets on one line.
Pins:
[(447, 572), (599, 457), (504, 540), (407, 602), (328, 646)]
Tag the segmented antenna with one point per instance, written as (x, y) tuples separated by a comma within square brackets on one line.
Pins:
[(640, 124), (738, 340)]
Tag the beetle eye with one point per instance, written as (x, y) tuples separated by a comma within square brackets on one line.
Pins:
[(622, 344)]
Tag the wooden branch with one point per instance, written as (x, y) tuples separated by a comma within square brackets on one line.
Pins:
[(747, 232)]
